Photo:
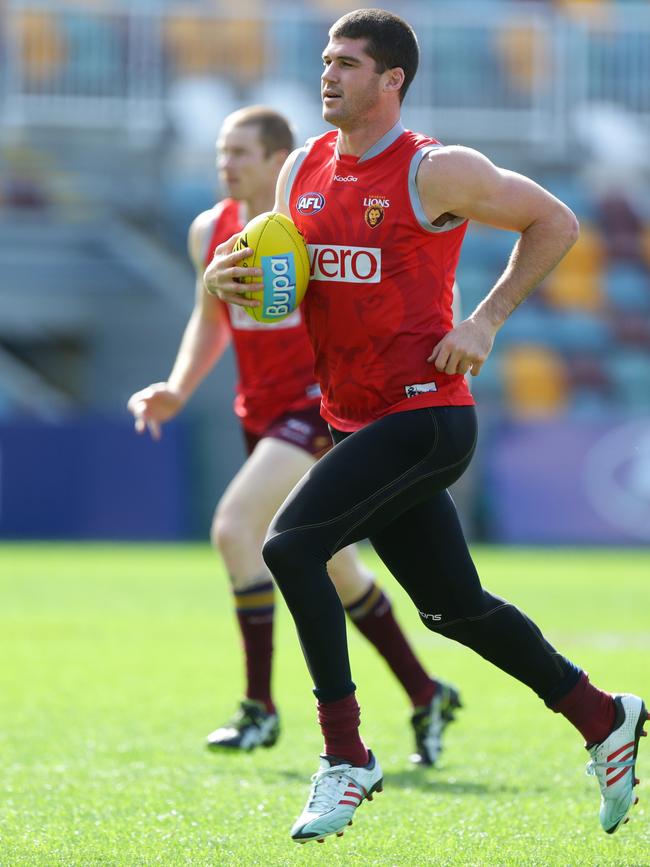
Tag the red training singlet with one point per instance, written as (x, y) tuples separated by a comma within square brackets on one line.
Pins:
[(275, 361), (382, 278)]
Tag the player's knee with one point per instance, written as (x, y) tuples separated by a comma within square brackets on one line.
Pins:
[(277, 553), (287, 556), (221, 532), (230, 534), (292, 560), (214, 532)]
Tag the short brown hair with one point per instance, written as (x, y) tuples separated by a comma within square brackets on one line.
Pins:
[(390, 40), (274, 129)]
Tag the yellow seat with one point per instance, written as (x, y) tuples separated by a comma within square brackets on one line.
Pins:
[(43, 48), (576, 282), (535, 382), (524, 53), (205, 46), (591, 11)]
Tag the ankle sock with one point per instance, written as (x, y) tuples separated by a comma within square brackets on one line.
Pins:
[(339, 722), (589, 709)]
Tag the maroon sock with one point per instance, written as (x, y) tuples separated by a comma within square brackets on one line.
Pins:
[(373, 617), (255, 609), (339, 723), (589, 709)]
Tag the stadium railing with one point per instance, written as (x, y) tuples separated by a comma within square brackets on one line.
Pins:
[(490, 71)]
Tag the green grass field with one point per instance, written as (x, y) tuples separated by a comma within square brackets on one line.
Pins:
[(117, 661)]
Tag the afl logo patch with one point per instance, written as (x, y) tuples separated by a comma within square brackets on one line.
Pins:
[(374, 216), (310, 203)]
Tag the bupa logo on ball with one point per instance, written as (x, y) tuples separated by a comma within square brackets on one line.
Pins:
[(279, 275), (310, 203)]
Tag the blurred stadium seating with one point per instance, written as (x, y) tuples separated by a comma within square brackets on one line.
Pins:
[(108, 113)]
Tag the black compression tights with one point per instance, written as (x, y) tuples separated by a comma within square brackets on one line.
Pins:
[(387, 482)]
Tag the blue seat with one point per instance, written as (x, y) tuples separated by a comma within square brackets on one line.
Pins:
[(577, 331), (474, 282), (487, 247), (571, 190), (530, 325), (487, 387), (629, 373), (589, 403), (627, 286)]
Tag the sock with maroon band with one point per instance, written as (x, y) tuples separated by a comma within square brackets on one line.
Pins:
[(339, 723), (255, 608), (589, 709), (372, 614)]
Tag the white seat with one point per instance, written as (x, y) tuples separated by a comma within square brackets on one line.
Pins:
[(298, 102), (196, 108)]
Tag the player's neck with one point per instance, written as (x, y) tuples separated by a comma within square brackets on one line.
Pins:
[(258, 204), (356, 141)]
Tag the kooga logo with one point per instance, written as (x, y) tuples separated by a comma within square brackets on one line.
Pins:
[(345, 264)]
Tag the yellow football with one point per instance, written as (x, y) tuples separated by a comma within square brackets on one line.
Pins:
[(280, 251)]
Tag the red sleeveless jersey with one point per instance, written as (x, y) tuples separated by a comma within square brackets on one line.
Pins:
[(382, 280), (275, 361)]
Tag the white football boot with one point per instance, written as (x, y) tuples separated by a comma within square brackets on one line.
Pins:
[(336, 792), (612, 761), (430, 722)]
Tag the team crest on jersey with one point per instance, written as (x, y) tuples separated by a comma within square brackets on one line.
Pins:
[(310, 203), (374, 216), (375, 210)]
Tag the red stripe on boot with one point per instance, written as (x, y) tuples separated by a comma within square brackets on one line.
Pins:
[(619, 750), (617, 777)]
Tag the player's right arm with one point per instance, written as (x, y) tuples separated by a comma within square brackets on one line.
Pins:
[(460, 182), (204, 341), (223, 275)]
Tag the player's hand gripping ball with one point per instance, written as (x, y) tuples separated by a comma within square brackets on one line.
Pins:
[(280, 251)]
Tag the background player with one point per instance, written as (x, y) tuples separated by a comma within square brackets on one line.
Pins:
[(278, 405), (391, 368)]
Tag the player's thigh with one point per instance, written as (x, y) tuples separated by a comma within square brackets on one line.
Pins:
[(425, 550), (376, 474), (261, 485)]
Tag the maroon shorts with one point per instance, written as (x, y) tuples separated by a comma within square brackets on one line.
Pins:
[(303, 428)]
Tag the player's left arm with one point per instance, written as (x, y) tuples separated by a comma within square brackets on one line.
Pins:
[(281, 205), (462, 182)]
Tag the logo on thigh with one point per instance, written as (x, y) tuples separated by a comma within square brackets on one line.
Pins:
[(425, 616)]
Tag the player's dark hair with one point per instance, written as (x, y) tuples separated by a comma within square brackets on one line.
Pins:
[(274, 129), (390, 40)]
